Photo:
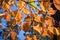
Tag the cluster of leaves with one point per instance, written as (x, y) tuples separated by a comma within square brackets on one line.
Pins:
[(32, 20)]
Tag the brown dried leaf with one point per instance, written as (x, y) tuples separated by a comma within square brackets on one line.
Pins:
[(26, 26)]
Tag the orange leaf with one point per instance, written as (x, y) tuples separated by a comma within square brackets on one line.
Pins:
[(18, 17), (21, 4), (8, 17), (26, 11), (26, 26)]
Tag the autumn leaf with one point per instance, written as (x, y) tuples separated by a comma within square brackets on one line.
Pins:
[(38, 18), (32, 4), (18, 18), (8, 16), (37, 29), (21, 4), (14, 13), (28, 18), (26, 11), (26, 26), (13, 22), (42, 6), (6, 6)]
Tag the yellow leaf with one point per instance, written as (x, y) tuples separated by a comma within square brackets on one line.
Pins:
[(33, 5)]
